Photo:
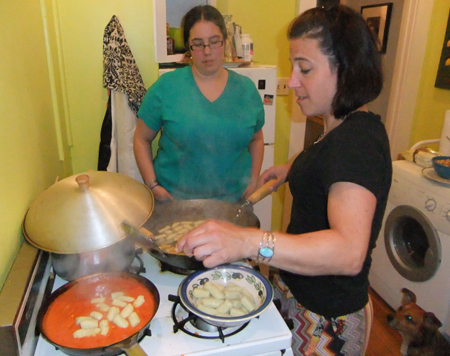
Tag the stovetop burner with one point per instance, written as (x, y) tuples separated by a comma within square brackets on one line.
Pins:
[(193, 325), (139, 267)]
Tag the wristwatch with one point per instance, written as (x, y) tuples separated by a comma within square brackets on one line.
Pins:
[(266, 247)]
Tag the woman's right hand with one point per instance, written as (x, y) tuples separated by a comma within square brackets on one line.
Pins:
[(161, 194), (279, 173)]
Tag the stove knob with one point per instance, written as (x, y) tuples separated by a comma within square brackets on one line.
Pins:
[(430, 205)]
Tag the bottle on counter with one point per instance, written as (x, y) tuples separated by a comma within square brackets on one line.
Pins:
[(228, 43), (170, 42), (247, 48)]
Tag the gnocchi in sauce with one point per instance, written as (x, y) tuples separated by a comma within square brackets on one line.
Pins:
[(91, 304)]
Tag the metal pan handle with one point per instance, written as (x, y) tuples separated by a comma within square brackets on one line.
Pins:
[(144, 237)]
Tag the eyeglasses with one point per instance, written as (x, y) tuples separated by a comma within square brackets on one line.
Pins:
[(201, 47)]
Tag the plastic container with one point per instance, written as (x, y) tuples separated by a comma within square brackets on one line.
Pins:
[(421, 156), (247, 48)]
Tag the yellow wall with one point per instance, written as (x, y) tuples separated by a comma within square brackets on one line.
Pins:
[(267, 22), (28, 147), (433, 102), (52, 106), (82, 23)]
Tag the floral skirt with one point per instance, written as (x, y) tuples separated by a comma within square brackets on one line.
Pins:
[(316, 335)]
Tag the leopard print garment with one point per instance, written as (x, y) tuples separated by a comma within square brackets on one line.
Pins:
[(120, 71)]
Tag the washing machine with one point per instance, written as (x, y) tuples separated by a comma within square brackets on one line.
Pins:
[(413, 247)]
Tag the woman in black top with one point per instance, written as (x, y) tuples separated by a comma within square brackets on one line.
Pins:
[(340, 187)]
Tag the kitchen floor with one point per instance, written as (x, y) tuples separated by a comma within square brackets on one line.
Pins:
[(383, 339)]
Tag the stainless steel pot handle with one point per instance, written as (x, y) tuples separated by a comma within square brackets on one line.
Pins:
[(146, 237)]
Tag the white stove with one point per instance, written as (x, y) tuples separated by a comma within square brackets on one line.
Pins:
[(267, 335)]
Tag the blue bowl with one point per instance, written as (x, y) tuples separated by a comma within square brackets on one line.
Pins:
[(441, 165)]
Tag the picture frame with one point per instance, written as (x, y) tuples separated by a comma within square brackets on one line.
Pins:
[(443, 73), (378, 18)]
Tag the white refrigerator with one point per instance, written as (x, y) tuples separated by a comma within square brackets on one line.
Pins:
[(265, 79)]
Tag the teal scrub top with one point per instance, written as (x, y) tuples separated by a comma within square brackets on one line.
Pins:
[(203, 149)]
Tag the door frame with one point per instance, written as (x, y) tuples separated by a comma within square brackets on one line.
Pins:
[(410, 55)]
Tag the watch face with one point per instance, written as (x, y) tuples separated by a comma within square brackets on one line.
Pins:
[(266, 252)]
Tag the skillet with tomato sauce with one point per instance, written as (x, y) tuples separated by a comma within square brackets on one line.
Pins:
[(58, 324)]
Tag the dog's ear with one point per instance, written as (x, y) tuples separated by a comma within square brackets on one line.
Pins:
[(408, 296), (431, 321)]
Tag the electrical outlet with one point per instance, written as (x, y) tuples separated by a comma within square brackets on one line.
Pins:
[(282, 86)]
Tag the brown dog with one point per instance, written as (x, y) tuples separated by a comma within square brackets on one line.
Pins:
[(418, 328)]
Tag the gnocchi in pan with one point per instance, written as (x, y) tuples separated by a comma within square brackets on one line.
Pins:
[(169, 235), (98, 311)]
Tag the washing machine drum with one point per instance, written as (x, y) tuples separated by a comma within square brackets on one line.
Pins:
[(412, 243)]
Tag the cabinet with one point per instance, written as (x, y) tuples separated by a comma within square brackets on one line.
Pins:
[(171, 12)]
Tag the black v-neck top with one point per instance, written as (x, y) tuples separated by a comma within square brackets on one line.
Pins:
[(356, 151)]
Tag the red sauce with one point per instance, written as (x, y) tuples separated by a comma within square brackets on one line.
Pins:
[(59, 320)]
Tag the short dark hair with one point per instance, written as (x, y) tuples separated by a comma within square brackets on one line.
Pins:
[(352, 50), (202, 12)]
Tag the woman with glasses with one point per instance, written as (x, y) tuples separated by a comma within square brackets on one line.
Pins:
[(211, 120), (339, 185)]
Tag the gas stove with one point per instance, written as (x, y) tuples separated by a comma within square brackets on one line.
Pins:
[(267, 335)]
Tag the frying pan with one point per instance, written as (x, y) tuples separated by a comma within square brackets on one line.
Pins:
[(165, 214), (129, 345)]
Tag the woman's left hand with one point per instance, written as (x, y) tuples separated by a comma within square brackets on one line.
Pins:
[(216, 242)]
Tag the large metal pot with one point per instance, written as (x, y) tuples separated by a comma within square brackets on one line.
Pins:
[(79, 220), (115, 258)]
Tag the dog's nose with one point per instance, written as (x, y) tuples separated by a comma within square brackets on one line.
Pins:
[(390, 317)]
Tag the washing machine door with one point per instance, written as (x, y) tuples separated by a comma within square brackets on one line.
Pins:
[(412, 243)]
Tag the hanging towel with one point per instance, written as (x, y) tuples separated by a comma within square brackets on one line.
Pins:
[(120, 72), (104, 151), (121, 75)]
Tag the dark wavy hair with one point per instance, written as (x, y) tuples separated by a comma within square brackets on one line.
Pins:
[(352, 51), (202, 12)]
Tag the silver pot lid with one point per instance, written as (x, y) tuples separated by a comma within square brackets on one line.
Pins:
[(84, 212)]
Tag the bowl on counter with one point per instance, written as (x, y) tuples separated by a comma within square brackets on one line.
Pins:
[(441, 165), (236, 283)]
